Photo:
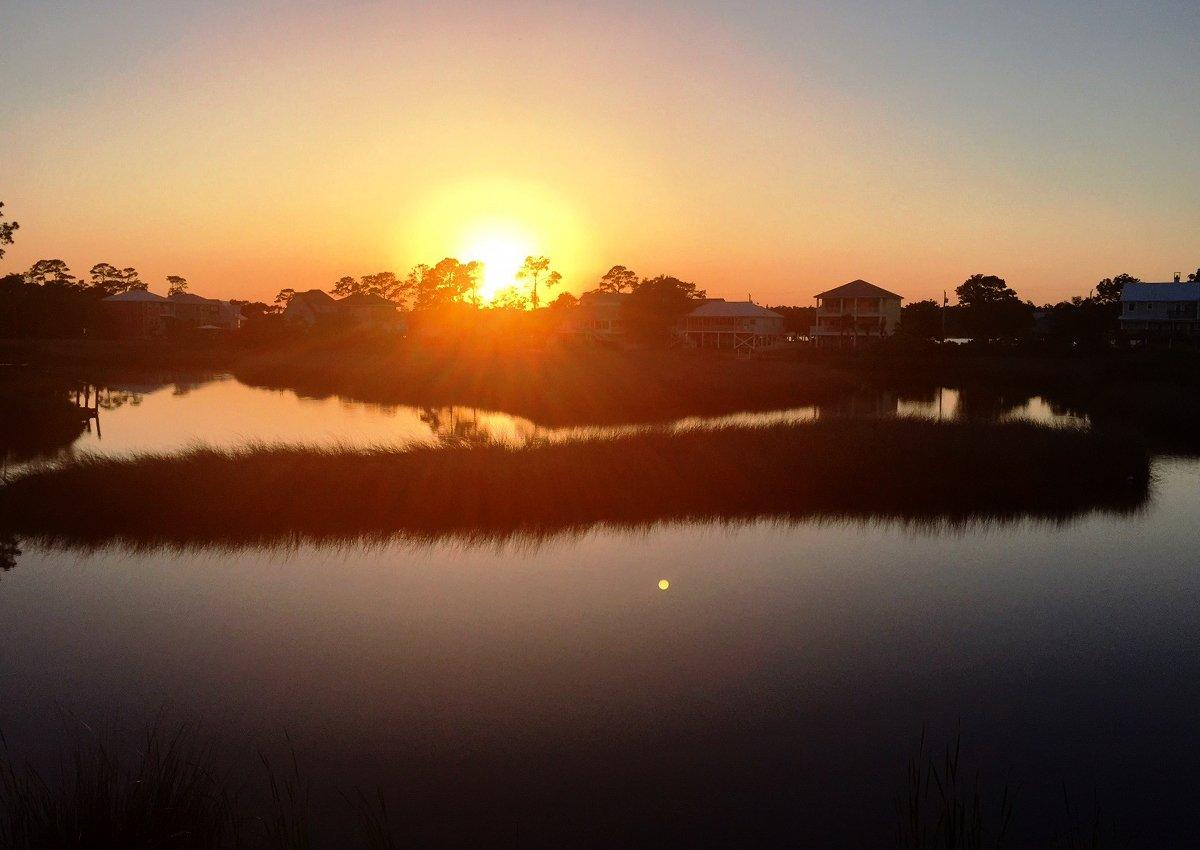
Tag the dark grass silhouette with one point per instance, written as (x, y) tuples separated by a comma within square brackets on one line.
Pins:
[(943, 809), (169, 790), (906, 469), (946, 806), (162, 792)]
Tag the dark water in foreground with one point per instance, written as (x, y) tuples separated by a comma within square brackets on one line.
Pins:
[(550, 692)]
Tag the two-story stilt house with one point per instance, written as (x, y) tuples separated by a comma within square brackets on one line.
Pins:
[(855, 310)]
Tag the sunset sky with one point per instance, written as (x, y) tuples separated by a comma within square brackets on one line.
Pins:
[(774, 149)]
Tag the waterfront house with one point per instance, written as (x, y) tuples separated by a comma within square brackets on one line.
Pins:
[(853, 311), (1160, 311), (197, 312), (742, 326), (363, 309), (309, 307), (138, 313), (596, 318)]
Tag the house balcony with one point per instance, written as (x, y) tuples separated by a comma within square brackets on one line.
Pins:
[(862, 314)]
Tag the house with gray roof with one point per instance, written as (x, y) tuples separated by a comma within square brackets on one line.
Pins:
[(741, 326), (138, 313), (1163, 311), (362, 309)]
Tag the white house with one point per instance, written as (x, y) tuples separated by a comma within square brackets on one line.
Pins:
[(742, 326), (853, 310), (1160, 310)]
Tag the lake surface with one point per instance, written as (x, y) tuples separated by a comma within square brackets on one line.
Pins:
[(549, 693), (172, 414)]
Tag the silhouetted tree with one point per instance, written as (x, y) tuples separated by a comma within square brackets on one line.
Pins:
[(106, 279), (448, 282), (344, 286), (284, 298), (255, 309), (618, 279), (510, 298), (532, 270), (7, 229), (991, 308), (1193, 277), (1108, 291), (921, 319), (798, 320), (983, 289), (655, 305), (46, 302), (176, 285), (385, 285), (50, 273), (1080, 321), (130, 279), (564, 301)]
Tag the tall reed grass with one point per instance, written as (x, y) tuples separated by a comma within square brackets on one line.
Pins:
[(170, 791), (900, 468)]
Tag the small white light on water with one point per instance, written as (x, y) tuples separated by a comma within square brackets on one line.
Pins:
[(663, 584)]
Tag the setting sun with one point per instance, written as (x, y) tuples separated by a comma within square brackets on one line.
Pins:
[(498, 221), (502, 248)]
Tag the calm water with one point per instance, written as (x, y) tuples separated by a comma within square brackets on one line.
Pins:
[(221, 412), (771, 696)]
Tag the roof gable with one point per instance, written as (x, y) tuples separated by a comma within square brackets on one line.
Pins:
[(136, 295), (857, 289), (313, 297), (364, 299), (735, 309), (1161, 292), (314, 300)]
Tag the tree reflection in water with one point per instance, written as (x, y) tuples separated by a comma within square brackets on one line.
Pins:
[(10, 550)]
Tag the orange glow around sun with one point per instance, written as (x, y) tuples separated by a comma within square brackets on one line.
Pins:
[(502, 248), (499, 222)]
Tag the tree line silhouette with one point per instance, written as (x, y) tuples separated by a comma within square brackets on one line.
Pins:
[(49, 300), (988, 308)]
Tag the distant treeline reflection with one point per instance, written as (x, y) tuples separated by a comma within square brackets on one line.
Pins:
[(905, 469)]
